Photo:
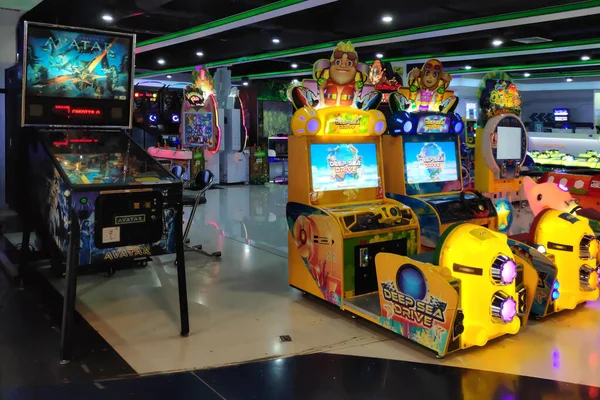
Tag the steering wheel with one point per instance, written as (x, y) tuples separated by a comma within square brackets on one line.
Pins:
[(478, 207)]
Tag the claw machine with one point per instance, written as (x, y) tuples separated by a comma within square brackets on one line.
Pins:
[(92, 194)]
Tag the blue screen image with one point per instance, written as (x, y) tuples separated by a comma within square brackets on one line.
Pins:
[(428, 162), (344, 166), (77, 64)]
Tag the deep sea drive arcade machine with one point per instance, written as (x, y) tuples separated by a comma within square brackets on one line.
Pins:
[(351, 245), (91, 193)]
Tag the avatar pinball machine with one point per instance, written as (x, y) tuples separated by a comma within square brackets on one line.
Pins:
[(101, 198)]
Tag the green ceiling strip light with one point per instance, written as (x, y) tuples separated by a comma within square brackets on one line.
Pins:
[(432, 28), (530, 67), (275, 73), (234, 18), (556, 75), (542, 46)]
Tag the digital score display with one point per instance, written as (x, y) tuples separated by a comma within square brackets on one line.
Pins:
[(561, 115), (64, 110)]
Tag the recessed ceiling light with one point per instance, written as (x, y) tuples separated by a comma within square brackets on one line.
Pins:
[(161, 61), (585, 58), (199, 54), (275, 40), (569, 79), (169, 76), (379, 55), (245, 83), (526, 74), (468, 67), (107, 17), (387, 18), (294, 65), (497, 42)]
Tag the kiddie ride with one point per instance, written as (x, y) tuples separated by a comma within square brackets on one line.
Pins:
[(352, 245)]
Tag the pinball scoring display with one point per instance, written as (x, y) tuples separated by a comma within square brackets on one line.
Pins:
[(76, 77)]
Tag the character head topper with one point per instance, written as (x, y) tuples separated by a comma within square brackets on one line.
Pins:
[(498, 95), (546, 195), (427, 90), (337, 82)]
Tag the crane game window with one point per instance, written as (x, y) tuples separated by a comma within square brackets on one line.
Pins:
[(76, 77), (343, 166), (432, 164)]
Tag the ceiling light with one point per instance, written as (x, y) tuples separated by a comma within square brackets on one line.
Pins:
[(569, 79), (199, 54), (107, 17), (468, 67), (169, 76), (526, 74), (585, 58), (275, 40), (294, 65), (497, 42), (245, 83), (295, 81), (161, 61), (387, 19), (379, 55)]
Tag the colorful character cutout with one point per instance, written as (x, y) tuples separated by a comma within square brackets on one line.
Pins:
[(498, 95), (427, 90), (337, 82), (200, 110)]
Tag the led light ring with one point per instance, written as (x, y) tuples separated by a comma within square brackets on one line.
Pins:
[(503, 308), (588, 278), (504, 270)]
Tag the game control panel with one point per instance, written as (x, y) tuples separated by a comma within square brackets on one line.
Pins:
[(372, 217)]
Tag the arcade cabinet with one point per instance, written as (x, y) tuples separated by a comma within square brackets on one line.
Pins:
[(351, 245), (202, 123), (423, 169), (557, 244), (93, 195)]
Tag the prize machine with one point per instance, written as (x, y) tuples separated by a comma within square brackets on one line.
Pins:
[(560, 246), (201, 124), (93, 196), (351, 245), (235, 164), (421, 155)]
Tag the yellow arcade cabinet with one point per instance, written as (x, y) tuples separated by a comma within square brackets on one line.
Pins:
[(560, 246), (352, 246)]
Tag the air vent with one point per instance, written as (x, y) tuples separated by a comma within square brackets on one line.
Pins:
[(532, 40)]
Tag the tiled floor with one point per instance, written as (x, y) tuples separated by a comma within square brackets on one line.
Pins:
[(241, 305)]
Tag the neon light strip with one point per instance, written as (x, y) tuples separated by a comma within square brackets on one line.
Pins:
[(244, 124), (214, 101), (428, 32)]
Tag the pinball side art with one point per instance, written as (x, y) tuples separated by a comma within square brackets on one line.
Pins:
[(200, 113)]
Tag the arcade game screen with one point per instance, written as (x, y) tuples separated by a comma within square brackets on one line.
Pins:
[(509, 143), (344, 166), (70, 64), (432, 165), (104, 158)]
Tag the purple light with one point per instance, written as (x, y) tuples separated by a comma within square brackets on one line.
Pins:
[(508, 271), (379, 126), (313, 125), (563, 187), (508, 310)]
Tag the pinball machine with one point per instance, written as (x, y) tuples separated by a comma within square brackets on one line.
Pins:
[(91, 194)]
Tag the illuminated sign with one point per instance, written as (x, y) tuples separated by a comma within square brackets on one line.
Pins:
[(127, 253), (66, 110), (434, 124), (336, 122), (74, 141), (561, 115), (130, 219)]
